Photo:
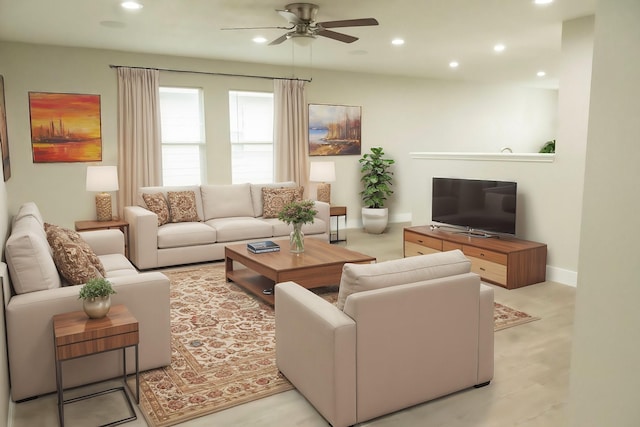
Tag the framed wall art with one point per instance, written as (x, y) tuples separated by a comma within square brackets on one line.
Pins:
[(334, 130), (4, 139), (65, 127)]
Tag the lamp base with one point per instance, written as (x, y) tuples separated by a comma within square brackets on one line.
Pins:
[(323, 192), (103, 207)]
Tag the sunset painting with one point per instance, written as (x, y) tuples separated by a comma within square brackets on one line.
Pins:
[(65, 127)]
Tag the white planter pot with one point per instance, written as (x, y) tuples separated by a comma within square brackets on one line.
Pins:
[(375, 220)]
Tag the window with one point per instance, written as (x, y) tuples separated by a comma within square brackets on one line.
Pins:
[(183, 140), (251, 125)]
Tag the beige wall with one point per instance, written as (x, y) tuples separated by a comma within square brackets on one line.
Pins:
[(605, 378)]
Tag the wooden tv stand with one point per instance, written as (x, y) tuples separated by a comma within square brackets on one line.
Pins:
[(505, 261)]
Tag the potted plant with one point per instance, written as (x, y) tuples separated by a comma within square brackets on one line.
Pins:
[(376, 179), (298, 213), (96, 296)]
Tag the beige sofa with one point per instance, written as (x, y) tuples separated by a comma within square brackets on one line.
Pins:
[(37, 292), (411, 330), (226, 214)]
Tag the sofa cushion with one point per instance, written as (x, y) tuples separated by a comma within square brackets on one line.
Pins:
[(28, 255), (256, 194), (185, 234), (157, 204), (182, 205), (226, 201), (232, 229), (73, 264), (29, 209), (55, 232), (274, 199), (117, 265), (364, 277)]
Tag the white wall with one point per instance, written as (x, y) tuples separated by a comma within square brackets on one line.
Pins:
[(605, 378), (400, 114)]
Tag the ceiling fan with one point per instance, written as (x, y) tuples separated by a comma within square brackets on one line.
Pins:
[(302, 23)]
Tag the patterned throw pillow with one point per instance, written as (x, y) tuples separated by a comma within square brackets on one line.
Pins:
[(157, 204), (274, 199), (182, 205), (55, 232), (70, 258)]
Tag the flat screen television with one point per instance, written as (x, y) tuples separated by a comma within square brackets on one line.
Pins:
[(479, 206)]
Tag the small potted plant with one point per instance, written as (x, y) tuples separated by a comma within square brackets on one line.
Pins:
[(96, 296), (376, 179), (298, 213)]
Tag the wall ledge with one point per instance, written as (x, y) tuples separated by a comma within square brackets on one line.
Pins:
[(496, 157)]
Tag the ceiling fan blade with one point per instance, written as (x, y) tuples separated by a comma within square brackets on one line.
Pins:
[(349, 23), (336, 36), (292, 18), (258, 28), (279, 40)]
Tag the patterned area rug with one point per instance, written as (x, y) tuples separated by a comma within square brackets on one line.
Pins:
[(223, 349)]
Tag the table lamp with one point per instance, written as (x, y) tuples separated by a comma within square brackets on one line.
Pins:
[(323, 172), (102, 179)]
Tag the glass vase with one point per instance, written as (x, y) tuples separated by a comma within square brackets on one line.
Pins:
[(296, 239)]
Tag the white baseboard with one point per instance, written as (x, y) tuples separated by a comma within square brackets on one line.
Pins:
[(560, 275)]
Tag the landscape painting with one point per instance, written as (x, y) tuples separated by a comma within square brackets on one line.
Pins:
[(65, 127), (334, 130)]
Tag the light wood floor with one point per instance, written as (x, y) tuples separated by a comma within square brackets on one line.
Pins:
[(530, 386)]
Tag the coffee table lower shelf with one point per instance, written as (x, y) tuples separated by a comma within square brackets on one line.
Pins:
[(254, 283)]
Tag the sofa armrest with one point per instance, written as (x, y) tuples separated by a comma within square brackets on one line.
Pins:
[(315, 350), (104, 242), (30, 342), (324, 213), (143, 236)]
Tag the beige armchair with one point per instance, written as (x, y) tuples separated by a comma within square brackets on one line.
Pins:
[(393, 346)]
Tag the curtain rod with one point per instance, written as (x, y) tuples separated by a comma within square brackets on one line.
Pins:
[(210, 73)]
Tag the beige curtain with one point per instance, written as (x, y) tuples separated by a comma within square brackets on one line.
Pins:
[(291, 148), (139, 149)]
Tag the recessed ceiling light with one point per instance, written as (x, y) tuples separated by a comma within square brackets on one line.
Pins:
[(453, 64), (542, 1), (131, 5), (541, 73), (397, 42), (499, 47), (259, 39)]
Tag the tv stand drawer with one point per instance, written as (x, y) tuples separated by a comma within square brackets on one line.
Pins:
[(414, 249), (483, 254), (489, 271)]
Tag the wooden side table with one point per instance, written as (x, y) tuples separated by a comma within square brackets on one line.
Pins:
[(122, 225), (337, 212), (76, 335)]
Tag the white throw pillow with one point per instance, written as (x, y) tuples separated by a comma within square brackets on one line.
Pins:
[(29, 257), (365, 277)]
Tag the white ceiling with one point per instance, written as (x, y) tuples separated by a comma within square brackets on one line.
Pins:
[(436, 32)]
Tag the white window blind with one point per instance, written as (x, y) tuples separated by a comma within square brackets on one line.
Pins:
[(251, 136), (183, 136)]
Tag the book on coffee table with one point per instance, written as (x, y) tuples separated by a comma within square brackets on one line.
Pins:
[(263, 247)]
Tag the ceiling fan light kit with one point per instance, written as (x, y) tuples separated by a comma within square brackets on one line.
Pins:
[(304, 29)]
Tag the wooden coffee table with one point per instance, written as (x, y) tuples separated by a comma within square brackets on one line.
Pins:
[(319, 265)]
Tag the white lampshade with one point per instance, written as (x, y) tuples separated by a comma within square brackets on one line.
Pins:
[(102, 178), (322, 172)]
